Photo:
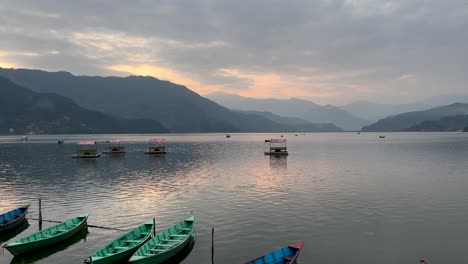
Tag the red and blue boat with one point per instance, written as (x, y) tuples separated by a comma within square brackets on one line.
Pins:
[(286, 255), (13, 219)]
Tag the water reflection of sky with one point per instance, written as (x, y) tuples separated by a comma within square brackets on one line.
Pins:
[(347, 193)]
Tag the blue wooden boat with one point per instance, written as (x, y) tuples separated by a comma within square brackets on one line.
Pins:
[(13, 219), (286, 255)]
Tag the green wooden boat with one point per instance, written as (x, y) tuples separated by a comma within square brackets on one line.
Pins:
[(48, 236), (122, 248), (165, 244)]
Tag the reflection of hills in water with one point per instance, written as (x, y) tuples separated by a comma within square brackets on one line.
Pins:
[(13, 233), (46, 252), (278, 162)]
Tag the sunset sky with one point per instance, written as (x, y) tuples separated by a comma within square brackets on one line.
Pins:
[(328, 51)]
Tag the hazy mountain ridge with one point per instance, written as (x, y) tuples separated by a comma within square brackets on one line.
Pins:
[(297, 124), (447, 123), (374, 111), (26, 111), (293, 107), (175, 106), (404, 121), (287, 108)]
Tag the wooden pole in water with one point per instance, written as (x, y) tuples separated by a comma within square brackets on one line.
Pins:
[(212, 245), (154, 226), (40, 214)]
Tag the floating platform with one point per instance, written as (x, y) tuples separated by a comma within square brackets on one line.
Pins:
[(155, 152), (85, 156), (281, 153)]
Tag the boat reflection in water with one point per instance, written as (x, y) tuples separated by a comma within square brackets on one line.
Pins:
[(46, 252), (13, 233), (278, 162)]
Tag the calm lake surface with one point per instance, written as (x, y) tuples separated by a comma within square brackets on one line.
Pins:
[(352, 198)]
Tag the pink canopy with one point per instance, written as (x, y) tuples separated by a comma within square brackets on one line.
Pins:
[(278, 140), (157, 140), (89, 142)]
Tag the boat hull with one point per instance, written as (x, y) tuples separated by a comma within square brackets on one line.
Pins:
[(173, 240), (155, 152), (75, 156), (286, 255), (23, 248), (162, 257), (136, 238), (277, 153), (19, 219), (114, 152)]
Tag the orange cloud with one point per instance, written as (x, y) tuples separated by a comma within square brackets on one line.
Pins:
[(5, 64)]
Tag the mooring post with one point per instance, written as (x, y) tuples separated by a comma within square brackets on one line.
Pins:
[(40, 214), (154, 226), (212, 245)]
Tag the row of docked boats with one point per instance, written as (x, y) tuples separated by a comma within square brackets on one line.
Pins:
[(88, 149), (136, 246)]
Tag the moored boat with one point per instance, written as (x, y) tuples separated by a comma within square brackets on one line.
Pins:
[(48, 236), (286, 255), (166, 244), (85, 150), (115, 147), (277, 147), (122, 248), (156, 146), (13, 219)]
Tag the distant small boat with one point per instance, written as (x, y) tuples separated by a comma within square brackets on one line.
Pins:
[(60, 142), (156, 146), (24, 138), (13, 219), (86, 152), (116, 147), (122, 248), (267, 140), (47, 237), (359, 133), (166, 244), (381, 136), (228, 135), (286, 255)]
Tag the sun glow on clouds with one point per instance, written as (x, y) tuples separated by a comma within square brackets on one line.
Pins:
[(165, 74)]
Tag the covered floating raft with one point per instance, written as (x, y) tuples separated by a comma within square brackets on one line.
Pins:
[(47, 237), (115, 147), (86, 149), (156, 146), (286, 255), (277, 147), (13, 219)]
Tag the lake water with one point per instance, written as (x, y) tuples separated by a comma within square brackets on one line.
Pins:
[(352, 198)]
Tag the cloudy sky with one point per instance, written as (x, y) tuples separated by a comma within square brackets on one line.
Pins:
[(330, 51)]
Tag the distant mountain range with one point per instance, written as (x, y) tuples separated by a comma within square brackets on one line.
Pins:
[(412, 120), (293, 107), (296, 124), (447, 123), (173, 106), (26, 111), (373, 112)]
